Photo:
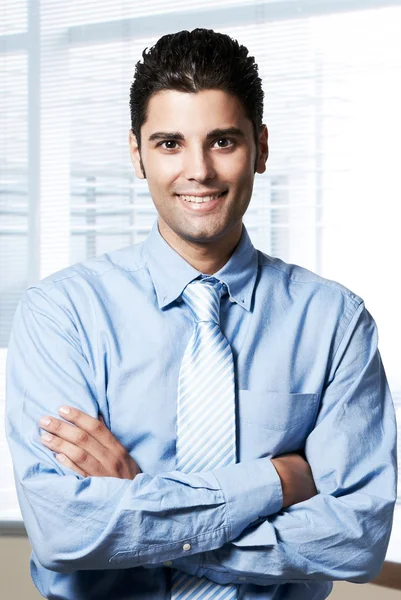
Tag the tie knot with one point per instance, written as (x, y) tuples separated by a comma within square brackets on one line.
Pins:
[(203, 297)]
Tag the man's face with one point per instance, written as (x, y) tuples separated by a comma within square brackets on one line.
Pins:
[(199, 146)]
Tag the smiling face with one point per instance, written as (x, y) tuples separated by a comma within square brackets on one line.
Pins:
[(199, 146)]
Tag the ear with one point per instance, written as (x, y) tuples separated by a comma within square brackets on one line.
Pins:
[(263, 150), (135, 155)]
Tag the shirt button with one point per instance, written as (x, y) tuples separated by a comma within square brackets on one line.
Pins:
[(186, 547), (231, 299), (168, 563)]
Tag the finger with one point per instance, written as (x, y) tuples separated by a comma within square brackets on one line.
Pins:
[(66, 462), (75, 436), (84, 461), (96, 428)]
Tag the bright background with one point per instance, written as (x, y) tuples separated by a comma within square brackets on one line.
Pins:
[(329, 201)]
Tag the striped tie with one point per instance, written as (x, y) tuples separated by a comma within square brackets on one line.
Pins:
[(205, 412)]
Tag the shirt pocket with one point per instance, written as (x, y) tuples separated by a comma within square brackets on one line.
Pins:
[(274, 422)]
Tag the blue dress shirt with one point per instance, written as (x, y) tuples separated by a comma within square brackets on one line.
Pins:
[(107, 336)]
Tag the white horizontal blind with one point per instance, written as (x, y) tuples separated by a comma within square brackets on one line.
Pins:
[(328, 200), (110, 208), (13, 206), (13, 16), (13, 185), (95, 11)]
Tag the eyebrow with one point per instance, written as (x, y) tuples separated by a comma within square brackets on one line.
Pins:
[(178, 136)]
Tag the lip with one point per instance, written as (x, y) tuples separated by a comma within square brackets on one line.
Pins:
[(202, 207), (203, 194)]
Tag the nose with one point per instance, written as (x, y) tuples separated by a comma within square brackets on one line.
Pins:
[(198, 165)]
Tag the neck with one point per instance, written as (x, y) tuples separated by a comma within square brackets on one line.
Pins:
[(208, 257)]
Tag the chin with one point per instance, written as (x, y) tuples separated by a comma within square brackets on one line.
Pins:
[(206, 237)]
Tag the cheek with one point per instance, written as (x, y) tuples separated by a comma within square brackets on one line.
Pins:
[(238, 169), (162, 174)]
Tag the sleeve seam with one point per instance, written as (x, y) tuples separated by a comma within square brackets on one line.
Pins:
[(77, 343), (351, 321)]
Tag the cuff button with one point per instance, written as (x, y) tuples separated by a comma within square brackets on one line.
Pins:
[(186, 547)]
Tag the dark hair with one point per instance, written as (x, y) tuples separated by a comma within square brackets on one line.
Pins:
[(190, 61)]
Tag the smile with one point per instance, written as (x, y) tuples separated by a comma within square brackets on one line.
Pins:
[(201, 199)]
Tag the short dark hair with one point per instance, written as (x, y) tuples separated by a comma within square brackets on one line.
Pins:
[(191, 61)]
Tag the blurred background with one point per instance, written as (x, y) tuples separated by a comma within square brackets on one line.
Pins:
[(330, 199)]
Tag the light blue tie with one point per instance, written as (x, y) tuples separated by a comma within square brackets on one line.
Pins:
[(205, 412)]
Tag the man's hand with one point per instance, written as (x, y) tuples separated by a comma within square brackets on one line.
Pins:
[(296, 478), (87, 446)]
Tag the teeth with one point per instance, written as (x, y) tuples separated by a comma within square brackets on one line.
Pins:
[(199, 200)]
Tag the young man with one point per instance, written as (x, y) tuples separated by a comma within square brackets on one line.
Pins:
[(230, 431)]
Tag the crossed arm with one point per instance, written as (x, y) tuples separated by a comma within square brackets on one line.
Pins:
[(85, 445), (118, 517)]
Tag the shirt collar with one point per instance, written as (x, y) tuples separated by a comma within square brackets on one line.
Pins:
[(171, 273)]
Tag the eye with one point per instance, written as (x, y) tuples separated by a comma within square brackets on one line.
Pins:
[(226, 142), (170, 144)]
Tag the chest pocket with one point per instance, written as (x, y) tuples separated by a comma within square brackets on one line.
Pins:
[(272, 423)]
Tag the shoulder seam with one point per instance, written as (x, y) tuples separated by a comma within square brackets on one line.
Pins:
[(44, 285), (350, 295)]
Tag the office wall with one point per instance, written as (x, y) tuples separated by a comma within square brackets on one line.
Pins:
[(16, 584)]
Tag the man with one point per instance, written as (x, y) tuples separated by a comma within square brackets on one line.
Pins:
[(221, 421)]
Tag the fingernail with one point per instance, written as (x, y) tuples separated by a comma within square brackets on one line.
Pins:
[(44, 421), (61, 457), (47, 437), (64, 409)]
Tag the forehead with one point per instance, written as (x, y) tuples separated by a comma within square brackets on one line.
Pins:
[(197, 112)]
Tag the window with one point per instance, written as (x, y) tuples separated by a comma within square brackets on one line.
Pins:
[(328, 200)]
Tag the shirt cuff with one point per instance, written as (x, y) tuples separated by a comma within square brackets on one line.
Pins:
[(252, 490)]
